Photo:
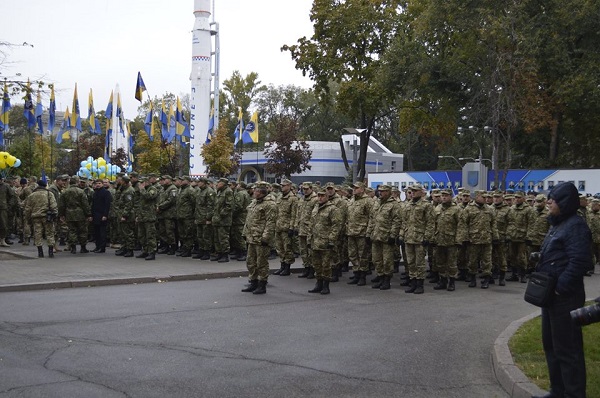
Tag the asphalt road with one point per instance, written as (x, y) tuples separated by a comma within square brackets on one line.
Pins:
[(207, 339)]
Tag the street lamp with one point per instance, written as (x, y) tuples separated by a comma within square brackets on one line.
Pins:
[(478, 160), (451, 157), (354, 132)]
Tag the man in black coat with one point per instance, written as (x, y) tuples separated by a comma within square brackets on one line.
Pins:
[(100, 207)]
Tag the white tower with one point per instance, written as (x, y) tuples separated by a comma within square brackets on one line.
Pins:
[(200, 79)]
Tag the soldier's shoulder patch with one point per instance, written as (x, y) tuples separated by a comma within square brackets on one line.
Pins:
[(174, 193), (129, 197)]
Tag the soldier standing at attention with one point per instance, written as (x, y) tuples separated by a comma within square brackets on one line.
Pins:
[(126, 216), (322, 237), (23, 228), (477, 231), (259, 232), (74, 209), (37, 207), (186, 202), (146, 219), (241, 200), (286, 220), (447, 218), (337, 255), (167, 214), (538, 227), (499, 248), (203, 212), (382, 230), (519, 220), (357, 222), (594, 224), (221, 221), (303, 226)]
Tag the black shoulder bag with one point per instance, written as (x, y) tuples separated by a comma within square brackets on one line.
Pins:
[(540, 289)]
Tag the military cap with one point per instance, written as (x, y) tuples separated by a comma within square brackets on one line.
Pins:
[(125, 178), (120, 174), (166, 177), (416, 187), (261, 185), (134, 174), (251, 186), (445, 192), (540, 198), (322, 191), (233, 181), (509, 196), (142, 179), (62, 177), (595, 200), (435, 192), (150, 175), (243, 185), (487, 194), (519, 194), (330, 185), (42, 183), (307, 184), (583, 196), (384, 188), (275, 185), (479, 192), (465, 192), (186, 178), (395, 189), (497, 194), (369, 189), (358, 184), (285, 181), (223, 180)]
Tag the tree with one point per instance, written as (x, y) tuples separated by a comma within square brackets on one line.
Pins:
[(218, 154), (238, 92), (287, 155)]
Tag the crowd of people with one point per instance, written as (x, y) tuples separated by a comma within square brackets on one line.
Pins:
[(330, 228)]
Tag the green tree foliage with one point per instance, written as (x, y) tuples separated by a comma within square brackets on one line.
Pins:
[(286, 155), (218, 154)]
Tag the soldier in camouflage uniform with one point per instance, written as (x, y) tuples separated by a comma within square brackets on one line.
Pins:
[(303, 226), (478, 231), (446, 218), (37, 206), (259, 233), (205, 204), (383, 230), (436, 199), (464, 198), (594, 224), (241, 200), (221, 220), (326, 228), (337, 255), (89, 193), (146, 219), (23, 227), (74, 209), (519, 220), (125, 208), (167, 214), (499, 248), (357, 222), (417, 233), (286, 220), (538, 227), (186, 203)]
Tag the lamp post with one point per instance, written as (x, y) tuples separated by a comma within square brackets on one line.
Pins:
[(354, 132), (451, 157)]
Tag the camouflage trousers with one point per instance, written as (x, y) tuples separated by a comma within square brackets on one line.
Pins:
[(42, 228), (147, 236), (257, 261), (204, 236), (78, 232), (383, 257), (518, 255), (480, 253), (221, 236), (236, 241), (283, 244), (446, 261), (358, 253), (126, 231), (187, 232), (305, 251), (322, 264), (3, 223), (499, 257), (415, 260), (167, 230)]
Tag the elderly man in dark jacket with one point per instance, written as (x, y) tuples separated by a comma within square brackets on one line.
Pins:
[(100, 207), (565, 254)]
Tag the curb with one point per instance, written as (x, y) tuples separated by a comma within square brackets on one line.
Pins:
[(510, 377)]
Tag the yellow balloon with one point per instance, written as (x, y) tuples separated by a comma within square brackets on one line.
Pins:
[(112, 178), (2, 163), (88, 166), (101, 162), (102, 175), (10, 160)]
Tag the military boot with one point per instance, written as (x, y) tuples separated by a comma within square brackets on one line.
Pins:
[(522, 276), (40, 251), (150, 257), (435, 277), (514, 277), (396, 266), (377, 282), (485, 283), (224, 258), (172, 250), (501, 281), (385, 284), (354, 280), (128, 253), (311, 273), (73, 249), (451, 286), (419, 289), (462, 275), (345, 266), (120, 252), (318, 287), (442, 284), (325, 289), (405, 281), (412, 286), (251, 287), (280, 270), (335, 274), (51, 251), (261, 288), (163, 250), (378, 278), (473, 280), (215, 257), (198, 255), (84, 249), (304, 273), (142, 255), (362, 279), (187, 252), (242, 255)]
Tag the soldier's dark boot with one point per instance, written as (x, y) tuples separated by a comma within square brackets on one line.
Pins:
[(435, 277), (311, 273), (215, 257), (142, 255), (462, 275), (442, 284), (21, 240), (261, 288), (73, 249), (405, 281), (280, 270), (318, 287), (378, 278), (354, 280), (187, 252), (451, 286), (242, 256), (335, 272), (198, 255), (304, 273), (206, 255), (51, 251), (195, 249), (61, 242), (325, 289), (345, 266), (172, 250), (485, 283), (224, 258), (84, 249), (150, 257), (469, 277), (120, 252), (420, 289), (251, 287), (513, 277), (163, 250), (385, 284), (377, 282), (522, 276), (412, 286), (396, 266), (501, 281), (286, 270), (473, 280), (128, 253), (40, 251), (362, 279)]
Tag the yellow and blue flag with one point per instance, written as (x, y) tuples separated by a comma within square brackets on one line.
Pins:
[(239, 128), (183, 128), (120, 116), (140, 87), (28, 109), (4, 113), (94, 123), (63, 133), (251, 131), (39, 111), (172, 129), (149, 123), (52, 110), (164, 122), (75, 114), (211, 128)]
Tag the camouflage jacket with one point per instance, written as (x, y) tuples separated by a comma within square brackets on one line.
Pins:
[(205, 205), (501, 212), (417, 225), (286, 212), (594, 224), (260, 221), (146, 211), (326, 226), (186, 202), (241, 200), (304, 214), (73, 205), (125, 204), (222, 216), (519, 218), (385, 220), (358, 214), (539, 226), (477, 225), (167, 202), (38, 203), (447, 218)]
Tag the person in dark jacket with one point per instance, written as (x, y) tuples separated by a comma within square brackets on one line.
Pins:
[(100, 207), (565, 254)]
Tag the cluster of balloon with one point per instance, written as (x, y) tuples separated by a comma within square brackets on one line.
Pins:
[(98, 168), (8, 161)]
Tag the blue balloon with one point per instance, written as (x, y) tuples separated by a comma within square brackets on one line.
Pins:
[(17, 163), (83, 163)]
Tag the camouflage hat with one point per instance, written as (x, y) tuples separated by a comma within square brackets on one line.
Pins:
[(250, 186), (125, 178), (583, 196), (62, 177), (445, 192), (465, 192), (223, 180), (509, 196), (261, 185), (359, 184), (233, 181), (120, 174), (595, 200), (276, 185), (285, 181), (243, 185), (395, 189), (134, 174), (436, 192), (142, 179), (322, 191), (186, 178), (497, 194), (307, 184), (519, 194), (152, 175), (166, 177), (487, 195), (540, 198), (369, 189), (330, 185), (384, 188), (479, 192), (416, 187)]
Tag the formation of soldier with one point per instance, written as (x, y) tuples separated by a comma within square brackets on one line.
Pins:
[(330, 228)]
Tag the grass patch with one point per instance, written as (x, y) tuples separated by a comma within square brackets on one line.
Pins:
[(528, 354)]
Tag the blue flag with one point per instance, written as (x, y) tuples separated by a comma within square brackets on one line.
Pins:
[(28, 109), (39, 110), (52, 110), (140, 87)]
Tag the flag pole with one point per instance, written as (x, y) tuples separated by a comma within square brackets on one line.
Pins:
[(51, 162)]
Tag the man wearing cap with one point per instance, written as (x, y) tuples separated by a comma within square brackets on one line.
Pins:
[(463, 200), (100, 209), (520, 218), (446, 218), (40, 210), (23, 227), (382, 230), (167, 215), (146, 219), (286, 220), (60, 184), (74, 209), (538, 228), (417, 233), (259, 232), (304, 225), (186, 203), (241, 200), (478, 231), (6, 195), (126, 216), (338, 255), (221, 220), (357, 222), (499, 248), (436, 199), (203, 212)]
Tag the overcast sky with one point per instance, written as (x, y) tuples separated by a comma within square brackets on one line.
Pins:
[(98, 44)]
